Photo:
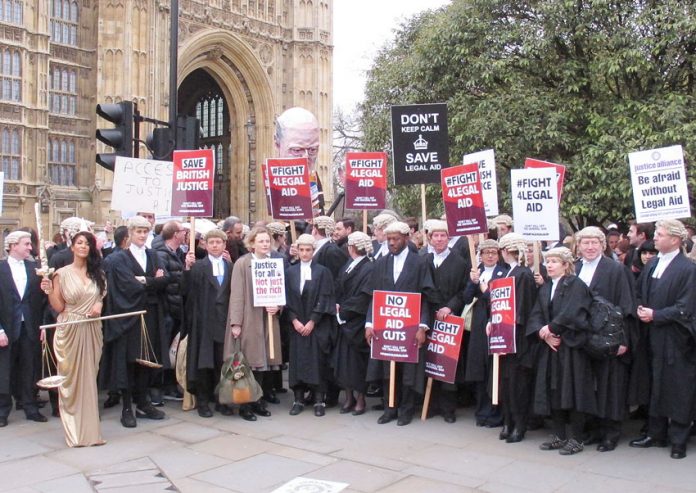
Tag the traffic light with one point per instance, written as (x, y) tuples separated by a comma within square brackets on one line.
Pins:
[(161, 144), (188, 132), (120, 137)]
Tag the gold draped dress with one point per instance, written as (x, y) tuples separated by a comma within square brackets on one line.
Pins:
[(78, 348)]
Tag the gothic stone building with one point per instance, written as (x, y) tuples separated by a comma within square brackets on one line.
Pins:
[(240, 64)]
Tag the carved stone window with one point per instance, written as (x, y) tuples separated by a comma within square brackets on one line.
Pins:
[(63, 93), (11, 75), (64, 21), (11, 152), (12, 11), (62, 162)]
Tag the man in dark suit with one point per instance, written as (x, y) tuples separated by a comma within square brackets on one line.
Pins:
[(22, 303), (405, 271), (666, 304)]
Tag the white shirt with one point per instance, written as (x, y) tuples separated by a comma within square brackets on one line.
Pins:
[(512, 266), (218, 265), (399, 261), (588, 269), (19, 274), (383, 249), (354, 263), (663, 261), (318, 244), (150, 237), (305, 273), (438, 258), (487, 274), (139, 254), (554, 283)]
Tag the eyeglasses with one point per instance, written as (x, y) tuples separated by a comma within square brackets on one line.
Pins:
[(489, 252), (300, 151)]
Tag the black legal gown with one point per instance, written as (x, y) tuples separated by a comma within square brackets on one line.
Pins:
[(414, 278), (610, 281), (332, 257), (564, 378), (310, 355), (672, 337), (351, 354)]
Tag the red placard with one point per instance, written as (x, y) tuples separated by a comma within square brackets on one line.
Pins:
[(503, 316), (192, 183), (560, 171), (395, 320), (366, 180), (444, 346), (289, 185), (463, 198)]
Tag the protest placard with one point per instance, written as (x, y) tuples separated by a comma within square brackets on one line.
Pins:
[(489, 181), (395, 320), (560, 172), (192, 183), (2, 188), (142, 185), (501, 339), (534, 203), (443, 348), (268, 281), (419, 143), (288, 180), (366, 180), (461, 193), (660, 191)]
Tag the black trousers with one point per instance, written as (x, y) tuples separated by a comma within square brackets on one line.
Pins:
[(139, 378), (22, 357), (662, 428), (405, 399), (208, 378), (568, 424), (515, 394)]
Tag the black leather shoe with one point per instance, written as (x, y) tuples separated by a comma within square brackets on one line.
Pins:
[(3, 422), (346, 409), (678, 452), (358, 412), (319, 409), (37, 416), (450, 418), (386, 418), (404, 420), (296, 408), (260, 410), (515, 437), (127, 419), (646, 442), (204, 411), (224, 410), (504, 433), (606, 446), (111, 401), (271, 398), (148, 411), (247, 414)]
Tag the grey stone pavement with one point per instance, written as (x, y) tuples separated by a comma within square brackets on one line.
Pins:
[(222, 454)]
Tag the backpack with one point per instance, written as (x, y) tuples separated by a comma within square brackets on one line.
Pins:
[(607, 329)]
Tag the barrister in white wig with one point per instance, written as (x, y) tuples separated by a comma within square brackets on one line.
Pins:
[(353, 295), (405, 271)]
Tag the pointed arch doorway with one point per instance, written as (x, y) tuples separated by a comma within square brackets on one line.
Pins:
[(200, 96)]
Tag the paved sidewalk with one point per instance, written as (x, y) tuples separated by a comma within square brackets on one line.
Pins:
[(191, 454)]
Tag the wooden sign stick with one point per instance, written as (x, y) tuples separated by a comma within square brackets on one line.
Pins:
[(537, 260), (365, 221), (426, 399), (392, 384), (293, 232), (192, 235), (472, 251), (271, 338), (496, 378)]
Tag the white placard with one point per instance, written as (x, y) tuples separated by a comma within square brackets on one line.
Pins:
[(535, 203), (142, 185), (658, 177), (489, 182), (2, 188), (310, 485), (268, 281)]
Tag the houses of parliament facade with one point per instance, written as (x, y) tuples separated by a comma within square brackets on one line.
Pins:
[(240, 64)]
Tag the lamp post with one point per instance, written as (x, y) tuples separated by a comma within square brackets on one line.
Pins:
[(251, 142)]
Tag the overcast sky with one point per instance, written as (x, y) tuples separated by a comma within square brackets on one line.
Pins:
[(361, 27)]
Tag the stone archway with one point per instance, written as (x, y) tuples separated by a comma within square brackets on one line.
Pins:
[(245, 85)]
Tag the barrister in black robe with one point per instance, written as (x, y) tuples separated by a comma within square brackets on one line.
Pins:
[(449, 273), (310, 308), (564, 384), (206, 288), (327, 253), (610, 280), (353, 294), (412, 276), (132, 288), (666, 303), (478, 361), (517, 369)]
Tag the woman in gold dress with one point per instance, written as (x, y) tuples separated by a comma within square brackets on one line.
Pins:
[(76, 293)]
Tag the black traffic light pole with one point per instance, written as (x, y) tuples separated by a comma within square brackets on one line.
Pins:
[(173, 66)]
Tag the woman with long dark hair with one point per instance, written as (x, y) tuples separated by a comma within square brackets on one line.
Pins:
[(76, 293)]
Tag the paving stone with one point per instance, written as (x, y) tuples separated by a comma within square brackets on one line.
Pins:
[(188, 485), (256, 474), (30, 471), (18, 448), (138, 473), (76, 483), (304, 455), (459, 461), (233, 447), (359, 476), (306, 444), (188, 432), (422, 485), (460, 478), (182, 462)]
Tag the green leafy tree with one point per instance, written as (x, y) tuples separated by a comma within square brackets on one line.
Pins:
[(581, 83)]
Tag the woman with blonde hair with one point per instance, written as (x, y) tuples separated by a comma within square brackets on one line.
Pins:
[(564, 387)]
